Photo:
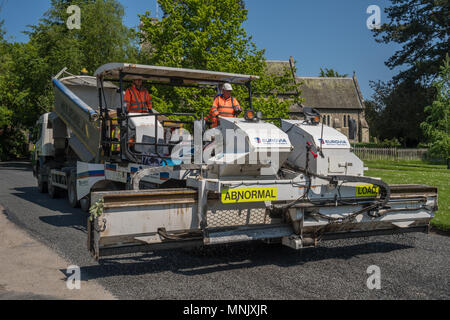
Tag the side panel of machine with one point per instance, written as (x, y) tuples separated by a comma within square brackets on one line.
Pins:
[(333, 149), (88, 175), (81, 119)]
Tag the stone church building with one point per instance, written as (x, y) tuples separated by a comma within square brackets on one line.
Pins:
[(339, 101)]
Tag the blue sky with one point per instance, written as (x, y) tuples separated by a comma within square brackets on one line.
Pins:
[(320, 33)]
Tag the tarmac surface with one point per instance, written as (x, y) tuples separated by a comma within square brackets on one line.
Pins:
[(413, 266), (29, 270)]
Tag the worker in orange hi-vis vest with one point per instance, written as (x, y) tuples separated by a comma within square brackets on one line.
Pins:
[(137, 99), (115, 135), (224, 105)]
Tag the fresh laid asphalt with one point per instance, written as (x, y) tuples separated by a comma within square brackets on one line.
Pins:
[(413, 266)]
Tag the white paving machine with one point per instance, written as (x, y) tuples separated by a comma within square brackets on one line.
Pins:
[(162, 183)]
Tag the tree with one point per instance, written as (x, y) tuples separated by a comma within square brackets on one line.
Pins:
[(52, 46), (5, 114), (437, 124), (330, 73), (19, 101), (102, 38), (422, 27), (12, 139), (25, 81), (208, 35), (396, 111), (374, 118)]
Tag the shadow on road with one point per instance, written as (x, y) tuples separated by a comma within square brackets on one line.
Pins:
[(73, 221), (20, 166), (64, 216), (228, 257)]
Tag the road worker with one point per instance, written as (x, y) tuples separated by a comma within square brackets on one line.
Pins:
[(115, 134), (137, 99), (224, 105)]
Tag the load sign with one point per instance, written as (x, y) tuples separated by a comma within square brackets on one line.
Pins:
[(249, 195), (367, 191)]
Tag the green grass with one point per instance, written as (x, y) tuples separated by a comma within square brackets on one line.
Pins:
[(417, 172)]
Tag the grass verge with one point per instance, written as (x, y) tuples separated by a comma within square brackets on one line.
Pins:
[(417, 172)]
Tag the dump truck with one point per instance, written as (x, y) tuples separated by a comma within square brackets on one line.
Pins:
[(163, 180)]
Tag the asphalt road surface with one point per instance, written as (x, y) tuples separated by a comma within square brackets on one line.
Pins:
[(413, 266)]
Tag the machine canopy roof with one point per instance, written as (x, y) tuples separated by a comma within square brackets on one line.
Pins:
[(169, 75), (85, 81)]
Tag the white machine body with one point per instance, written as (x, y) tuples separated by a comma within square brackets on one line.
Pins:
[(338, 159), (144, 130), (249, 148)]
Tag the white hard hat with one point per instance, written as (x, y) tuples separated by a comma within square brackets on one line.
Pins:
[(227, 87)]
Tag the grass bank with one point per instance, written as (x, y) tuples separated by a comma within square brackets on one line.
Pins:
[(417, 172)]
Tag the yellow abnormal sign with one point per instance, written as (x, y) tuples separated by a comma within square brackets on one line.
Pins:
[(249, 195), (367, 190)]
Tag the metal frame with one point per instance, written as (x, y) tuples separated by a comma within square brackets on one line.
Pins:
[(123, 117), (113, 70)]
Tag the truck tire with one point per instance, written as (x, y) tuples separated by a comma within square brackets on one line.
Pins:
[(43, 187), (53, 192), (85, 204), (72, 191)]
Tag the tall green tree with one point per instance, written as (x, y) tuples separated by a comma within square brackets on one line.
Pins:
[(5, 113), (12, 139), (397, 110), (208, 35), (422, 27), (52, 46), (102, 37), (437, 124), (330, 73), (27, 68)]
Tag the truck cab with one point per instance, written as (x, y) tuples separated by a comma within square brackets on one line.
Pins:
[(42, 138)]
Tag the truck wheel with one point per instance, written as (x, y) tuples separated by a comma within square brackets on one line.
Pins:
[(85, 203), (72, 191), (43, 187), (53, 191)]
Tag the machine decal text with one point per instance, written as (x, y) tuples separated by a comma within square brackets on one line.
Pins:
[(249, 195), (367, 191)]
